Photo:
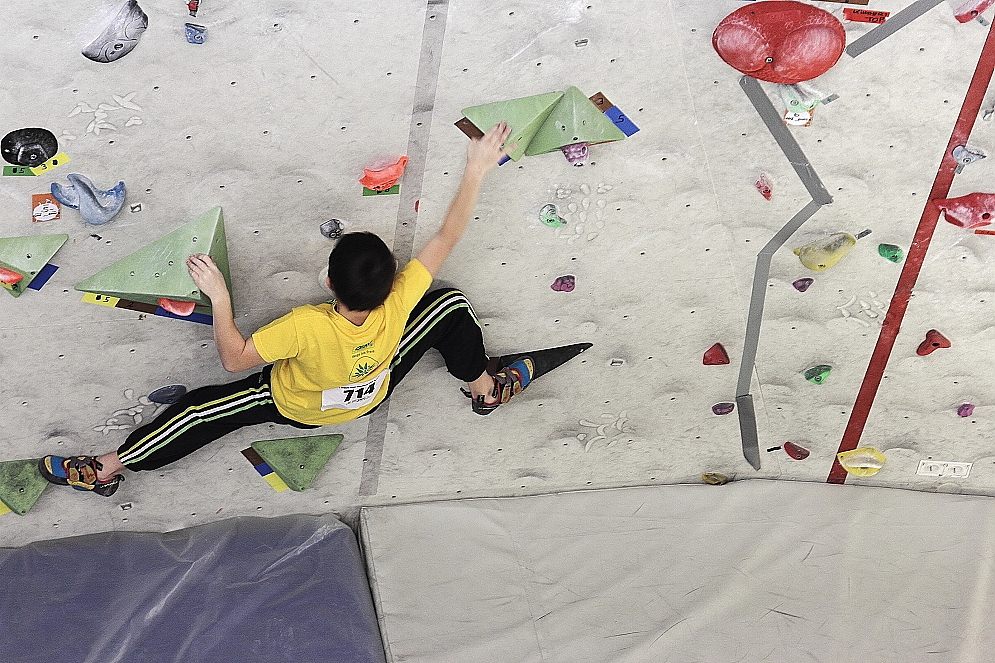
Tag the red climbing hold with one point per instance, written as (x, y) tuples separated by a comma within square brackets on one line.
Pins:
[(9, 276), (968, 10), (970, 211), (176, 307), (383, 179), (780, 41), (715, 356), (795, 451), (934, 340)]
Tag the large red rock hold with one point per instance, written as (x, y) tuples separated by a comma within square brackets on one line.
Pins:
[(970, 211), (780, 41)]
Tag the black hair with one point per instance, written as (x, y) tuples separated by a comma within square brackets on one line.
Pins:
[(361, 269)]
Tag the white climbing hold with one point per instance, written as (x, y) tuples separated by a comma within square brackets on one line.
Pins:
[(586, 190), (586, 203), (592, 236), (129, 394), (126, 101), (133, 121), (572, 207)]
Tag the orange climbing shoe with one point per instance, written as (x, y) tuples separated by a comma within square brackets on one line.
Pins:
[(80, 472)]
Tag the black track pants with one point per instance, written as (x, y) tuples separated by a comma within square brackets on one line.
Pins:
[(442, 319)]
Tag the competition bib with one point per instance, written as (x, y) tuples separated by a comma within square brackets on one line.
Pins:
[(353, 396)]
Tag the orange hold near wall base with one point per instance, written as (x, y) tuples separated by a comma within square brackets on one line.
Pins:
[(9, 276), (176, 307)]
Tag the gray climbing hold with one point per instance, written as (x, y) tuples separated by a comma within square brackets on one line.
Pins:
[(168, 395), (332, 229), (95, 206), (121, 36)]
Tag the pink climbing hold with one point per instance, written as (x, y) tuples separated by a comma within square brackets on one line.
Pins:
[(763, 186), (965, 410), (715, 356), (176, 306), (968, 10), (780, 41), (564, 283), (796, 451), (934, 340), (970, 211)]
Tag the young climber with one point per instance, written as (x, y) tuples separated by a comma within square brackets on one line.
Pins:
[(328, 363)]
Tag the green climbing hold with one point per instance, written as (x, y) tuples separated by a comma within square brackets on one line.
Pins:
[(26, 256), (818, 374), (159, 269), (297, 460), (20, 484), (890, 252)]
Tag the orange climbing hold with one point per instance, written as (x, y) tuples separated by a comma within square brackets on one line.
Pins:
[(715, 355), (383, 179), (176, 307), (934, 340), (9, 276)]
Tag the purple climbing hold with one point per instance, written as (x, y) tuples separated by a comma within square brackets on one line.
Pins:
[(965, 410), (576, 153), (801, 285), (723, 408), (564, 283)]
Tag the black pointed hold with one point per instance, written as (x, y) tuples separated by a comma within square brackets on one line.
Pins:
[(542, 360)]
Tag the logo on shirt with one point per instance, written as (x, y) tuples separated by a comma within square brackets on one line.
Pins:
[(362, 368), (364, 349)]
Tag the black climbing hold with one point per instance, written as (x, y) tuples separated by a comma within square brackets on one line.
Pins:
[(168, 395), (29, 147), (542, 360)]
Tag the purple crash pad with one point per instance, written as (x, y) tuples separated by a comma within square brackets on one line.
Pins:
[(246, 589)]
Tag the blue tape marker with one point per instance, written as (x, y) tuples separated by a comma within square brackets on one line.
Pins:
[(193, 317), (42, 277), (621, 120), (263, 469), (503, 160)]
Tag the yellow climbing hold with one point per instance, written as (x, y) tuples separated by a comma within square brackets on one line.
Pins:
[(862, 461), (823, 253)]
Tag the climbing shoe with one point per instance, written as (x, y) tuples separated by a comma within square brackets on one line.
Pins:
[(508, 382), (80, 472)]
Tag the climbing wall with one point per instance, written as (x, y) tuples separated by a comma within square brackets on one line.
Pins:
[(273, 111)]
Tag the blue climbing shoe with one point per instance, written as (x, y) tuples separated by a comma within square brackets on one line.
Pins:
[(80, 472), (508, 382)]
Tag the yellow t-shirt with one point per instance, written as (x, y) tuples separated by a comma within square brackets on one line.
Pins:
[(327, 370)]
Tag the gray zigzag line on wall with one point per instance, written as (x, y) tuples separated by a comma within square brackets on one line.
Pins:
[(820, 196), (890, 27)]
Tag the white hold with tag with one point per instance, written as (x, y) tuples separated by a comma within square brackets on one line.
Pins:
[(353, 396), (798, 118)]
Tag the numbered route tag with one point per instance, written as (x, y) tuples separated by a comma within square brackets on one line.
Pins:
[(353, 396), (44, 207), (17, 171), (798, 118), (103, 300), (59, 159)]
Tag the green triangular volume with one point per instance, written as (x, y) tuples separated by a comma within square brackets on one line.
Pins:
[(26, 256), (575, 119), (20, 484), (297, 460), (159, 270), (524, 115)]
